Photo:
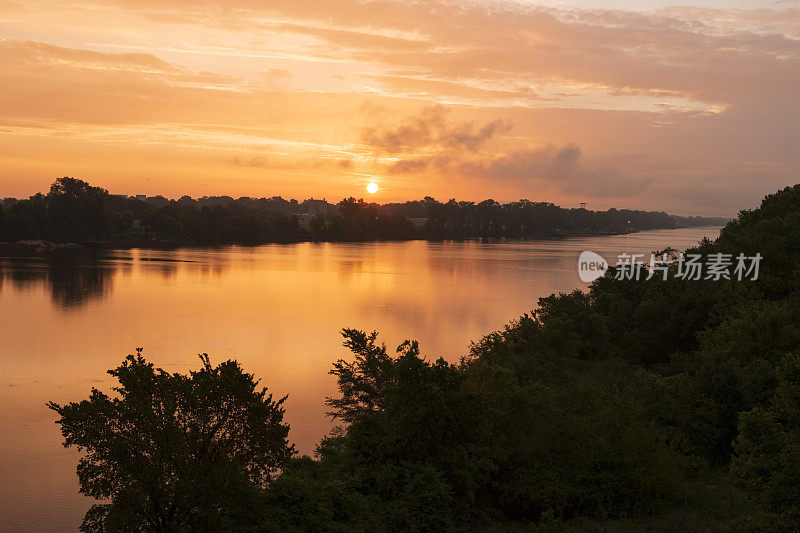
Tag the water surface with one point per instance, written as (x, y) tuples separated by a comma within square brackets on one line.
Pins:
[(278, 309)]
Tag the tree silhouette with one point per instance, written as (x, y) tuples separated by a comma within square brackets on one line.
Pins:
[(173, 452), (76, 210)]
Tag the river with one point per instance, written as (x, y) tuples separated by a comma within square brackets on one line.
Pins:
[(278, 309)]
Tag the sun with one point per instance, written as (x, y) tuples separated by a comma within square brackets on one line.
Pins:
[(372, 188)]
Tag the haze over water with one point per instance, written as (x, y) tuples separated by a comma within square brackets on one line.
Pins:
[(277, 309)]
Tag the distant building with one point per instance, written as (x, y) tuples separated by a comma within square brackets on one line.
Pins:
[(316, 207)]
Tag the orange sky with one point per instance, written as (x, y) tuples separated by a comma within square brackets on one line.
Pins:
[(688, 109)]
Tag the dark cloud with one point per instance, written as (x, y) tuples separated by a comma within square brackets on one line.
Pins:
[(430, 130), (428, 143), (562, 169)]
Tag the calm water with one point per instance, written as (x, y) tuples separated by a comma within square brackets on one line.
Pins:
[(277, 309)]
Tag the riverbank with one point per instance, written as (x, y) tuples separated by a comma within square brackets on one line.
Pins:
[(39, 246)]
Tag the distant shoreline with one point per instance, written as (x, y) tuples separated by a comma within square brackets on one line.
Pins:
[(75, 213), (38, 246)]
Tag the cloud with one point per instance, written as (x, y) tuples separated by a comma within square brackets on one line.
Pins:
[(278, 73), (32, 53), (561, 169), (253, 161), (430, 131), (428, 143), (713, 56)]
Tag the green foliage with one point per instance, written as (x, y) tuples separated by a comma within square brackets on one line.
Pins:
[(407, 442), (773, 230), (362, 382), (573, 437), (708, 351), (433, 446), (174, 452), (767, 451)]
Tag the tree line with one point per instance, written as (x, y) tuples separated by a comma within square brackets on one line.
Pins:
[(625, 401), (73, 211)]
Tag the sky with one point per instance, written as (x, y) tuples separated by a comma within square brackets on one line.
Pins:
[(689, 108)]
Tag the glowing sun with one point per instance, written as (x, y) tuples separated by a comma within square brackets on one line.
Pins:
[(372, 188)]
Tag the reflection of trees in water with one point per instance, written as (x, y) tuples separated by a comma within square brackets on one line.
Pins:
[(73, 286), (169, 265), (73, 278), (76, 277)]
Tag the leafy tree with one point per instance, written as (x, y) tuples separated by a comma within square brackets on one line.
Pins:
[(407, 437), (512, 437), (767, 451), (27, 219), (77, 210), (174, 452), (362, 382)]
